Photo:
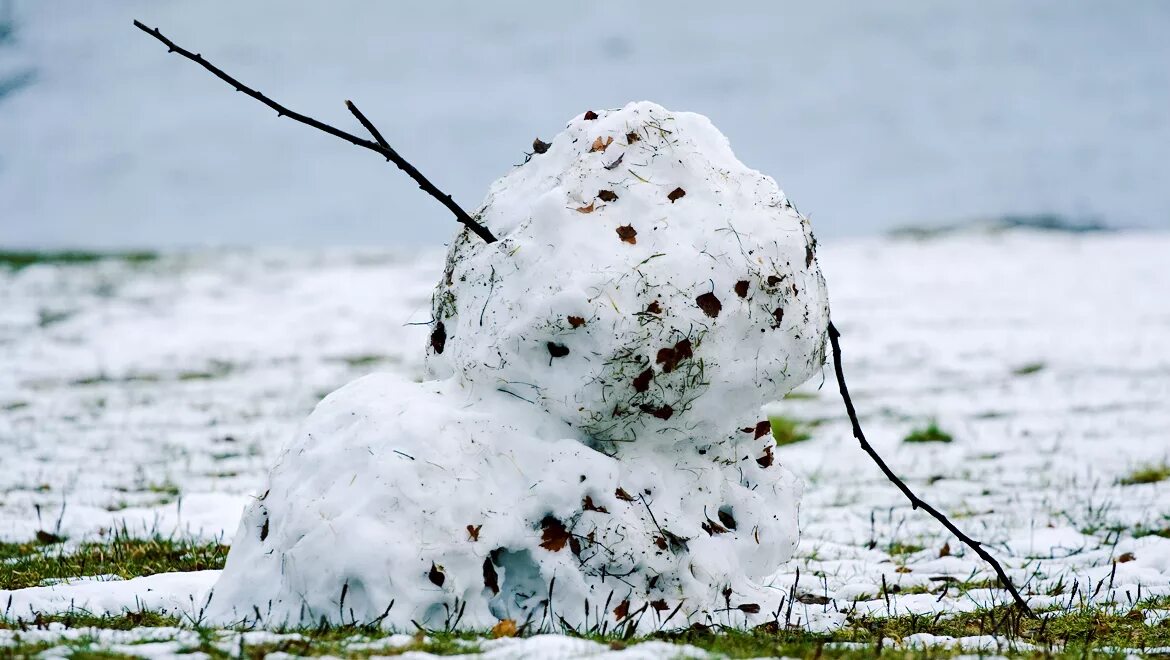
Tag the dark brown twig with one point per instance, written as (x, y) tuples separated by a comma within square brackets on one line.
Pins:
[(915, 501), (381, 146)]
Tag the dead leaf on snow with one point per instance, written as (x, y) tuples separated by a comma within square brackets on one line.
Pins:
[(601, 145), (554, 536)]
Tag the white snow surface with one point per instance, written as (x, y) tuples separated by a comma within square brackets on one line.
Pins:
[(463, 501), (193, 372)]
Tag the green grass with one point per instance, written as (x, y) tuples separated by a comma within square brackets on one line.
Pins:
[(33, 563), (1146, 474), (929, 433), (788, 431), (1076, 633), (1028, 369), (18, 259)]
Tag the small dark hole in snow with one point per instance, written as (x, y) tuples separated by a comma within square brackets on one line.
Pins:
[(491, 579), (726, 518)]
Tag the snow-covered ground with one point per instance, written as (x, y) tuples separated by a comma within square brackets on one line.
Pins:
[(1047, 356)]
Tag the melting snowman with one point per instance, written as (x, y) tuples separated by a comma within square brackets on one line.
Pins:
[(589, 449)]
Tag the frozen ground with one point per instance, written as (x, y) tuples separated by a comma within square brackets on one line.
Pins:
[(157, 394)]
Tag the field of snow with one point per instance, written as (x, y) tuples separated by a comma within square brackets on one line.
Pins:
[(155, 395)]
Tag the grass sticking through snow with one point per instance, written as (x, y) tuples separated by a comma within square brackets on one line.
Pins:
[(1147, 474), (929, 433), (788, 431), (19, 259), (34, 563)]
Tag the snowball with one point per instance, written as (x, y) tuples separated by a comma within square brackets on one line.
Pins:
[(646, 283), (589, 447), (443, 499)]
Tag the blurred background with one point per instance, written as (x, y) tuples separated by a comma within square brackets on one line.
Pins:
[(870, 115)]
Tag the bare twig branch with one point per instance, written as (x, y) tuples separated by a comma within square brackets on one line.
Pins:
[(381, 146), (915, 501)]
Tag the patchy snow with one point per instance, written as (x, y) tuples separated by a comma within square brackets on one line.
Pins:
[(598, 440), (938, 329)]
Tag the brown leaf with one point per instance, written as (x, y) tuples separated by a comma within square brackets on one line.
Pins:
[(585, 209), (659, 605), (662, 412), (712, 528), (622, 610), (576, 321), (557, 350), (945, 551), (588, 505), (777, 317), (676, 194), (642, 381), (589, 115), (749, 608), (767, 459), (741, 288), (1127, 557), (632, 137), (622, 495), (654, 308), (491, 579), (505, 628), (436, 575), (762, 429), (539, 146), (49, 538), (473, 532), (709, 304), (601, 145), (554, 535), (628, 234), (670, 357), (439, 337), (607, 195)]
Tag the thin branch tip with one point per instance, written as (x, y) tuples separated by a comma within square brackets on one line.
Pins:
[(381, 146), (915, 501)]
